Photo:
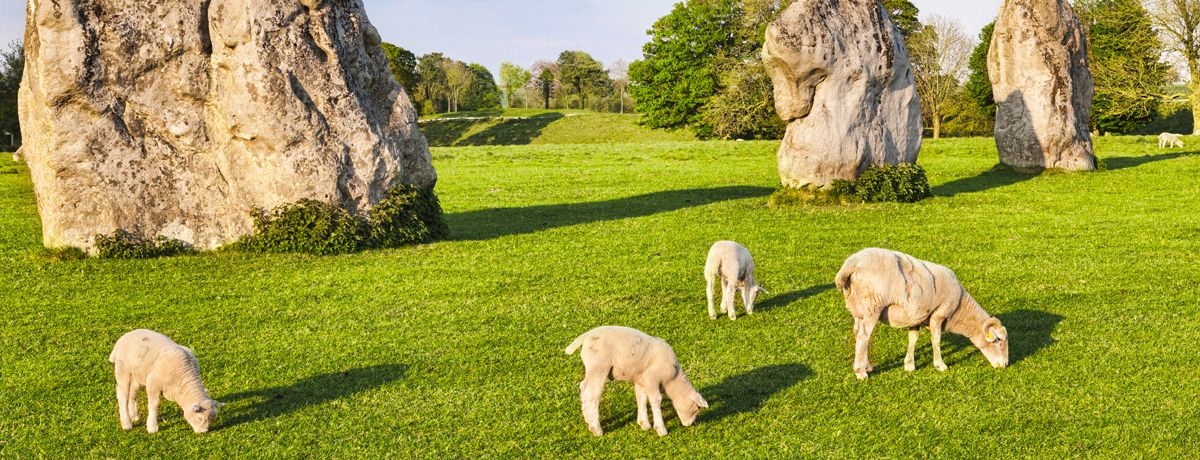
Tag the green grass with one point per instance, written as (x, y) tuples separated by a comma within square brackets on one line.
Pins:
[(532, 126), (454, 349)]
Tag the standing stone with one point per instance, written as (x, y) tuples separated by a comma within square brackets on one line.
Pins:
[(179, 118), (1038, 65), (844, 85)]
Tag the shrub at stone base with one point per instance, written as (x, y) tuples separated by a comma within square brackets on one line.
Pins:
[(124, 245), (905, 183)]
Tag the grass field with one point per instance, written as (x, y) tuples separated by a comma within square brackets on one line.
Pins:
[(454, 349), (532, 126)]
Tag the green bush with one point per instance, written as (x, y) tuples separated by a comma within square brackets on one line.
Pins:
[(905, 183), (409, 215), (125, 245)]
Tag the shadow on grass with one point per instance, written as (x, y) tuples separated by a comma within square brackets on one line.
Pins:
[(748, 391), (788, 298), (517, 131), (1116, 163), (274, 402), (445, 133), (1029, 331), (998, 176), (485, 224)]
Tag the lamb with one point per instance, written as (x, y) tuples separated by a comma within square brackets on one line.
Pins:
[(732, 263), (905, 292), (167, 369), (630, 355), (1171, 140)]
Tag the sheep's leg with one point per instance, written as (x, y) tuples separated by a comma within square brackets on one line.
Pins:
[(747, 302), (153, 393), (655, 397), (123, 398), (589, 396), (642, 401), (862, 333), (728, 294), (910, 363), (133, 396), (935, 333), (712, 313)]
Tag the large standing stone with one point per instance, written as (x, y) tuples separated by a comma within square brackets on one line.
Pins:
[(844, 85), (1038, 65), (180, 117)]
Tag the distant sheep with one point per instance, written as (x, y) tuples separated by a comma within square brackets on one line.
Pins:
[(167, 369), (1170, 140), (732, 264), (625, 354), (905, 292)]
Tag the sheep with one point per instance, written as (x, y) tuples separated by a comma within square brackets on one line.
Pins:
[(906, 292), (1166, 140), (167, 369), (630, 355), (732, 263), (18, 156)]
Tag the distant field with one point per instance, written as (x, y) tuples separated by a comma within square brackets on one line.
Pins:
[(454, 349), (530, 126)]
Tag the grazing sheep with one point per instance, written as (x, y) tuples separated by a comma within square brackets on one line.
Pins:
[(621, 353), (1166, 140), (167, 369), (906, 292), (731, 262)]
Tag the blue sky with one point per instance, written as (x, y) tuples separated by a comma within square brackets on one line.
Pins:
[(522, 31)]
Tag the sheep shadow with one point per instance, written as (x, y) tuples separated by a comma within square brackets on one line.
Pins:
[(1029, 332), (787, 298), (1117, 163), (486, 224), (319, 389), (748, 391)]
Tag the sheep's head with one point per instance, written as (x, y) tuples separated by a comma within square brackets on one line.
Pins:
[(993, 342), (201, 415), (686, 400), (754, 293)]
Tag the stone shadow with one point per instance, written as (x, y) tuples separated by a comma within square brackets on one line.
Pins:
[(788, 298), (748, 391), (998, 176), (486, 224), (277, 401), (1116, 163), (514, 131), (1012, 117)]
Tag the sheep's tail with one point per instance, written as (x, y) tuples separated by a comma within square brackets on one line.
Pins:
[(112, 356), (843, 279), (575, 345)]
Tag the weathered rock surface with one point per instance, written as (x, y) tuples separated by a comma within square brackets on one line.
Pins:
[(1038, 65), (179, 118), (844, 84)]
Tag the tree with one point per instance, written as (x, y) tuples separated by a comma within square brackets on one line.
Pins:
[(403, 64), (905, 15), (579, 70), (674, 80), (458, 80), (433, 87), (745, 107), (513, 78), (482, 93), (939, 53), (618, 73), (544, 82), (1124, 52), (12, 67), (1178, 22), (978, 87)]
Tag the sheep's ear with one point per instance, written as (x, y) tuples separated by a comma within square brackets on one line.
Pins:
[(699, 400), (993, 331), (218, 404), (763, 289), (197, 408)]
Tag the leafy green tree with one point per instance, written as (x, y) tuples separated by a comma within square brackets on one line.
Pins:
[(979, 85), (512, 79), (905, 15), (12, 67), (1124, 55), (482, 93), (745, 107), (675, 79), (433, 88), (545, 82), (403, 64), (580, 71)]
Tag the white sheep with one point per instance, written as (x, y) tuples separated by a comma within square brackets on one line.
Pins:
[(905, 292), (1169, 140), (732, 264), (630, 355), (167, 369)]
